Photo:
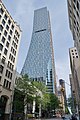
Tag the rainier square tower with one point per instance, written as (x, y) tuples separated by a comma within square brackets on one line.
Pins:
[(39, 63)]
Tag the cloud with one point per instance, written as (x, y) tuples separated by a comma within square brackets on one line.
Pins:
[(23, 11)]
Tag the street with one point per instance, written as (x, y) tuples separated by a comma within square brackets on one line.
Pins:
[(51, 119), (67, 117)]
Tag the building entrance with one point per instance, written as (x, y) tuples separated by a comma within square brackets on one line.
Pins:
[(3, 101)]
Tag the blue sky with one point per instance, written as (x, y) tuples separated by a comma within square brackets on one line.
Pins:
[(22, 11)]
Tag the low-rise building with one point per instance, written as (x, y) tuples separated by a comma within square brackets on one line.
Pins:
[(10, 35)]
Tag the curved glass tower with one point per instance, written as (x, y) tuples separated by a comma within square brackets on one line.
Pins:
[(39, 63)]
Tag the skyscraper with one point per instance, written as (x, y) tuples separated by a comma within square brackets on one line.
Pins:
[(74, 21), (75, 75), (10, 34), (39, 63), (63, 93)]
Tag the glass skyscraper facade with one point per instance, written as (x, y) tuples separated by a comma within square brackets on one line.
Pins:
[(39, 63)]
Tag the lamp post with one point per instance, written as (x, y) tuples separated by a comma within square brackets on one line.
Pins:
[(73, 106)]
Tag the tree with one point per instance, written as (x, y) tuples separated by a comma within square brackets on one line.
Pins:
[(25, 85), (40, 86), (41, 97), (34, 90), (18, 105), (53, 103)]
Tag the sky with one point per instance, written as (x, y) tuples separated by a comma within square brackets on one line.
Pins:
[(22, 11)]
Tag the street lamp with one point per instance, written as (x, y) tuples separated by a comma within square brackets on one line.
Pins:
[(72, 96)]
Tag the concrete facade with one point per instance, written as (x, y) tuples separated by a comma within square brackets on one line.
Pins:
[(73, 81), (63, 93), (10, 35), (61, 99), (76, 76), (74, 21)]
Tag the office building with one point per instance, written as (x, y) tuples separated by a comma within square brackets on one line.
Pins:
[(63, 93), (74, 21), (39, 63), (10, 34), (73, 94), (73, 53), (61, 98), (74, 77)]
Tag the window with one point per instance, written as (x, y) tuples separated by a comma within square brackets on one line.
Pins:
[(74, 22), (7, 44), (0, 16), (3, 39), (3, 60), (5, 17), (0, 78), (10, 32), (12, 27), (3, 22), (18, 35), (78, 5), (8, 74), (13, 51), (0, 54), (17, 40), (9, 22), (1, 28), (5, 51), (5, 33), (13, 43), (1, 11), (10, 65), (77, 14), (13, 60), (1, 69), (9, 85), (4, 83), (7, 27), (16, 32), (74, 0), (10, 56), (9, 38), (1, 47), (16, 46)]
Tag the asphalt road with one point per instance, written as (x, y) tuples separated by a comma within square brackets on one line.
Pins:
[(51, 119)]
